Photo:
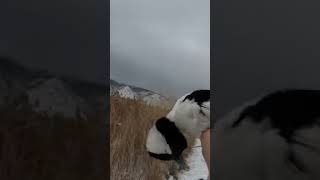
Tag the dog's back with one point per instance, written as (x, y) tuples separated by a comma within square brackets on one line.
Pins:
[(274, 138), (191, 113)]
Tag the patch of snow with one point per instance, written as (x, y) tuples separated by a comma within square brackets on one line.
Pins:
[(131, 92), (127, 92), (154, 99), (53, 97), (198, 167), (144, 93), (113, 90)]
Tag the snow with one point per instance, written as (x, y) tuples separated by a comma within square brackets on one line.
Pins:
[(154, 99), (52, 97), (127, 92), (198, 167), (113, 90)]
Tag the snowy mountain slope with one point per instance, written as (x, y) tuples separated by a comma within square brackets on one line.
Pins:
[(127, 92), (66, 96), (154, 99), (54, 97), (49, 93), (132, 92)]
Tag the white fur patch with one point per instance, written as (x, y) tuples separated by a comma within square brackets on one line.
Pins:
[(187, 117), (156, 143)]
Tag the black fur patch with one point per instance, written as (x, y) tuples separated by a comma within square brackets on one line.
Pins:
[(288, 111), (175, 139), (201, 112), (164, 157), (199, 96)]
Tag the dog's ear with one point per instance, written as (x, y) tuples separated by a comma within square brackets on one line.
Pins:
[(173, 135), (165, 126)]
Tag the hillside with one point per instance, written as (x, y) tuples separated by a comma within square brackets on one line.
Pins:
[(49, 93), (53, 94), (133, 92), (51, 127)]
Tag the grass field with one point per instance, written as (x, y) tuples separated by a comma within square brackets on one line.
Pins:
[(36, 147), (130, 122)]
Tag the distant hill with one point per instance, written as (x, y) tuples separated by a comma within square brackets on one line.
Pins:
[(49, 93), (133, 92), (53, 94)]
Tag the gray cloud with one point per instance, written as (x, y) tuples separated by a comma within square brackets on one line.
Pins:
[(161, 45)]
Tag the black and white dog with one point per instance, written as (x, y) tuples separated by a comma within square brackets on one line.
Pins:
[(189, 117), (276, 137)]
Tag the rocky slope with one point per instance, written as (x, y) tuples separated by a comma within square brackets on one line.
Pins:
[(132, 92)]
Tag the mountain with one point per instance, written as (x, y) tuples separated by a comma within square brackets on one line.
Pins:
[(49, 93), (133, 92), (52, 94)]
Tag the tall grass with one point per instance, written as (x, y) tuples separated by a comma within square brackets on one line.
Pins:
[(36, 147), (130, 122)]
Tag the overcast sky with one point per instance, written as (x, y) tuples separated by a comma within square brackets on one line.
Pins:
[(62, 36), (263, 46), (161, 45)]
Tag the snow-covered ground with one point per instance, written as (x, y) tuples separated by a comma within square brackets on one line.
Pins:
[(198, 167)]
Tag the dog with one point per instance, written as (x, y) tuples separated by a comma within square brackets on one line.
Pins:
[(275, 136), (189, 117)]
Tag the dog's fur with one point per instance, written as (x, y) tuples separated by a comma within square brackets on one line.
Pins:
[(275, 137), (189, 117)]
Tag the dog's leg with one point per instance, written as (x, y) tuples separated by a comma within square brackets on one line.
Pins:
[(182, 164)]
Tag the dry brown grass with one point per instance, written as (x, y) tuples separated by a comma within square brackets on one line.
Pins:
[(130, 121), (35, 147)]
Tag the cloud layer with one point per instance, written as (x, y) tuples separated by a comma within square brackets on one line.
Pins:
[(161, 45)]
